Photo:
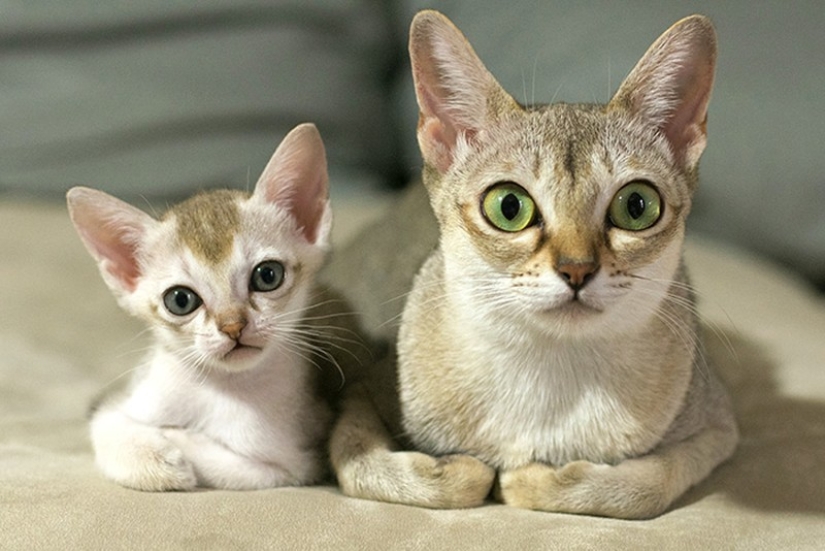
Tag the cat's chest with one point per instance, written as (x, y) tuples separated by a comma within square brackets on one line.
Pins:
[(557, 423), (510, 411)]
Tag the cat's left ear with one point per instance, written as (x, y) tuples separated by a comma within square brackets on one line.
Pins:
[(296, 178), (670, 86)]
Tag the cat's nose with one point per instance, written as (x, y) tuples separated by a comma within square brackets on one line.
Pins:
[(233, 329), (577, 273)]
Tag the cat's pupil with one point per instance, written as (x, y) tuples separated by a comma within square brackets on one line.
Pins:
[(510, 206), (181, 299), (635, 206), (267, 275)]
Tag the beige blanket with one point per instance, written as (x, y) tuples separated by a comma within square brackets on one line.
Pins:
[(62, 339)]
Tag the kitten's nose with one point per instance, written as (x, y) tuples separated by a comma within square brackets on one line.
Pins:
[(233, 329), (577, 273)]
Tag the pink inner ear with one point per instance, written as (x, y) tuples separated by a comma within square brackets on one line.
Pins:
[(437, 141), (457, 96), (296, 178), (121, 262), (308, 206), (670, 86), (111, 230), (115, 249), (437, 129), (686, 128)]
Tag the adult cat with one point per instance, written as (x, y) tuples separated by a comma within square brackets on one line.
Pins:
[(550, 340), (226, 397)]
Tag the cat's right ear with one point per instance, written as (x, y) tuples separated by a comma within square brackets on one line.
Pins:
[(670, 86), (111, 230), (457, 95)]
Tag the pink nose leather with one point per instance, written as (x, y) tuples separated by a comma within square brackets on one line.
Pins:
[(577, 274), (233, 330)]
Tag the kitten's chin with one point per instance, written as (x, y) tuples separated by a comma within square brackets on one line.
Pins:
[(242, 356)]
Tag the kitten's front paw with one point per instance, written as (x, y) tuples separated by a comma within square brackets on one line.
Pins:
[(150, 462)]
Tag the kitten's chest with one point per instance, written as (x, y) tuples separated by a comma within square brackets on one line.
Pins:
[(258, 414), (253, 413)]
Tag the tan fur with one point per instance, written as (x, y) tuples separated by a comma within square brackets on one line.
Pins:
[(565, 357), (208, 222)]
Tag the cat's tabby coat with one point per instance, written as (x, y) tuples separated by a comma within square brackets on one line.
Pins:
[(226, 396), (550, 341)]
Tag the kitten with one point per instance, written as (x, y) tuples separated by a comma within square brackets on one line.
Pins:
[(550, 340), (225, 398)]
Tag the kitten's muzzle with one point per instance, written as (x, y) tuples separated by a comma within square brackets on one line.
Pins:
[(233, 329), (242, 352)]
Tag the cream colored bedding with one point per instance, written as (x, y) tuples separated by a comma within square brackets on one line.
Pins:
[(63, 339)]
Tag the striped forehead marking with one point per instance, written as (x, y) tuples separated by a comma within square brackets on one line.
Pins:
[(208, 222)]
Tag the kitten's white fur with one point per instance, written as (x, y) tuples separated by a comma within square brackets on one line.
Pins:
[(206, 408)]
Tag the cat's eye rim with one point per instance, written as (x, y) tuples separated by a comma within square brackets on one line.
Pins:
[(509, 207), (637, 206), (267, 276), (180, 300)]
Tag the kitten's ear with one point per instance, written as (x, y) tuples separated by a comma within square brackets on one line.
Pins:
[(111, 230), (457, 95), (670, 86), (296, 178)]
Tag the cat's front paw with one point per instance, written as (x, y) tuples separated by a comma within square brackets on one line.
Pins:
[(414, 478), (149, 462), (452, 481), (581, 487), (544, 488)]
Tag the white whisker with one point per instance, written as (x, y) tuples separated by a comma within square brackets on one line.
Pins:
[(690, 303)]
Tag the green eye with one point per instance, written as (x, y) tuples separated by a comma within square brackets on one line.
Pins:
[(508, 207), (181, 301), (636, 207)]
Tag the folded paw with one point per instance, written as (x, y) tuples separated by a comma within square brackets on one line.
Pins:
[(450, 482), (628, 490), (147, 461), (413, 478)]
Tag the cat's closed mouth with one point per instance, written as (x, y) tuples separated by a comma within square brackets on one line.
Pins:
[(577, 307)]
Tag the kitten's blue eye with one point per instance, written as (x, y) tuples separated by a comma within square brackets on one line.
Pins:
[(508, 207), (267, 276), (636, 207), (181, 301)]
